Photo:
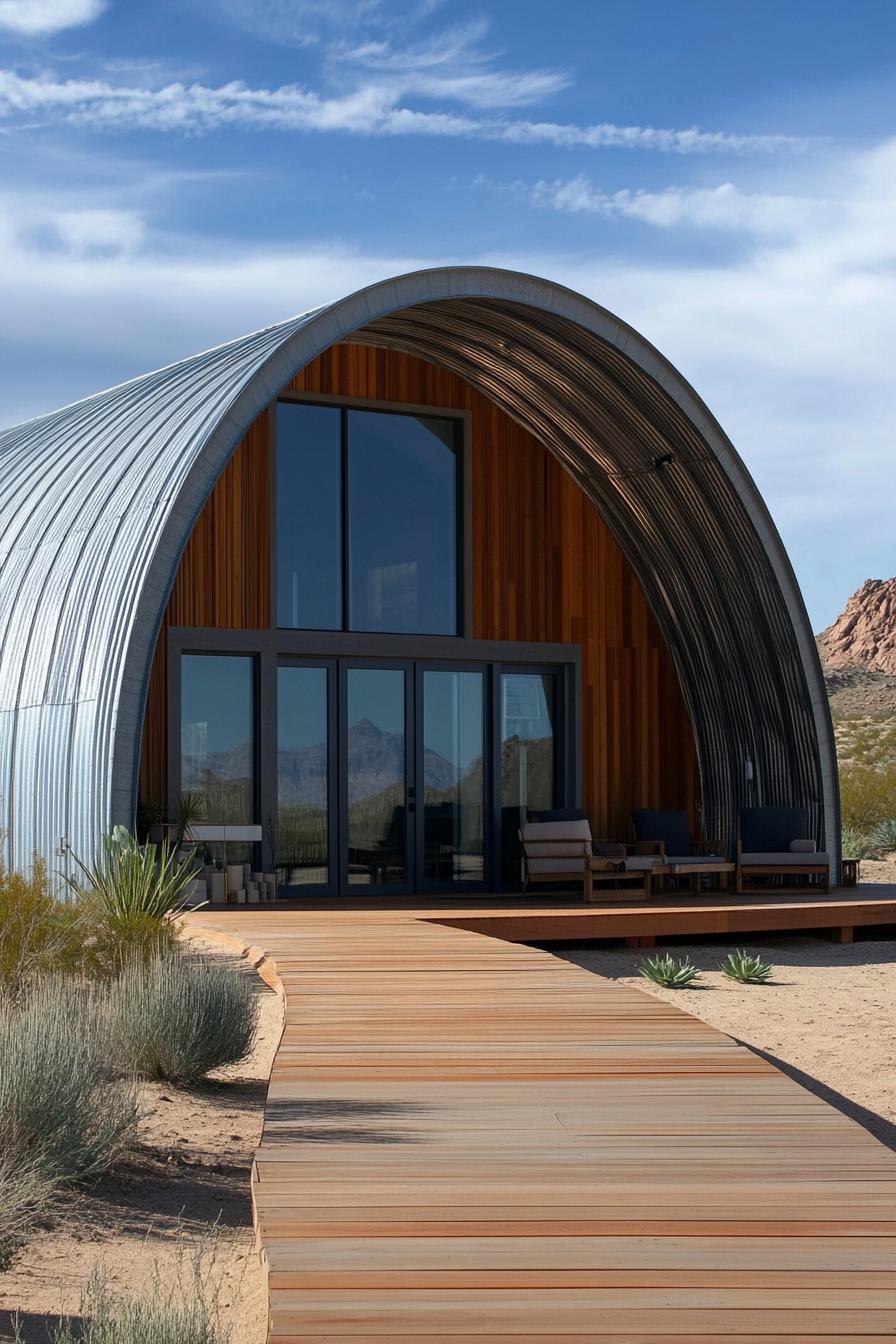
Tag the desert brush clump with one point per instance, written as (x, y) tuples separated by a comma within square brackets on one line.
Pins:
[(112, 1319), (26, 1192), (65, 1114), (746, 967), (181, 1305), (854, 844), (114, 911), (665, 970), (883, 837), (867, 795), (38, 932), (177, 1017)]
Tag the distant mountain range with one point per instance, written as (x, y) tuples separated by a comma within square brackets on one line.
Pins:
[(859, 652), (376, 761)]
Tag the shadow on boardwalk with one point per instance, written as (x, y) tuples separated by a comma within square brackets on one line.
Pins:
[(878, 1125), (324, 1120)]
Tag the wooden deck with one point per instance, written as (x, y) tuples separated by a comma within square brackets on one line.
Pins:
[(469, 1140)]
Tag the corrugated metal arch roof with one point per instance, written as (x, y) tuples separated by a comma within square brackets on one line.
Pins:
[(97, 501)]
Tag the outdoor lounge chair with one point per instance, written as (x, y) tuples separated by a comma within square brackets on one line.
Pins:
[(564, 851), (667, 833), (775, 842)]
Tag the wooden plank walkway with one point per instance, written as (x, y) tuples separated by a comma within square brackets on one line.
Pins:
[(467, 1139)]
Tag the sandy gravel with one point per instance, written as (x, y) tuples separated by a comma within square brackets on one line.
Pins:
[(828, 1017), (190, 1172)]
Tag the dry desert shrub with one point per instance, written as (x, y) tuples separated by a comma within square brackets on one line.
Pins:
[(38, 932), (867, 796), (177, 1017), (180, 1305), (64, 1116)]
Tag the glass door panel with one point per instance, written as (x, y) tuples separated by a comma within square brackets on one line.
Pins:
[(217, 735), (303, 776), (375, 777), (453, 759), (528, 758)]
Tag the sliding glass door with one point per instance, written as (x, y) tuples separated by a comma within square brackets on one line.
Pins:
[(394, 777)]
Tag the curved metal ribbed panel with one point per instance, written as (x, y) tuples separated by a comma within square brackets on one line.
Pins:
[(97, 502)]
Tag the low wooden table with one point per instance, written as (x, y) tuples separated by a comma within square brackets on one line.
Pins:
[(722, 869), (606, 870)]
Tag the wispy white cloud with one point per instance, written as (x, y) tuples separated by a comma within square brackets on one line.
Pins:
[(43, 17), (451, 64), (374, 108), (301, 23), (845, 218), (725, 207)]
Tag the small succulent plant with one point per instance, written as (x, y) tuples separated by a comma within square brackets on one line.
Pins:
[(884, 837), (856, 845), (665, 970), (746, 967)]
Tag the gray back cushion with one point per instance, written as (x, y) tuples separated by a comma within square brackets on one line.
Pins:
[(771, 829), (563, 814), (673, 828)]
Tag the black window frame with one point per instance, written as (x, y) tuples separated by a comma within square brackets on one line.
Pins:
[(460, 422)]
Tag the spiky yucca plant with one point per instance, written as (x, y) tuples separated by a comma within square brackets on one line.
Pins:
[(664, 970), (135, 880), (746, 967)]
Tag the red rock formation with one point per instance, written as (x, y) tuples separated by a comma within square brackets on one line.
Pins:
[(865, 634)]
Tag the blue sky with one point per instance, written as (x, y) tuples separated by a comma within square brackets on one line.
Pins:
[(721, 175)]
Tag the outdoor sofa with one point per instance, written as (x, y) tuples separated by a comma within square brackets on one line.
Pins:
[(665, 833), (562, 850), (776, 842)]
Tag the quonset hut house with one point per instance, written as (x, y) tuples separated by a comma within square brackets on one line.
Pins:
[(377, 582)]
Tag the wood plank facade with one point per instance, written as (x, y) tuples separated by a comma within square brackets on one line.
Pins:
[(545, 569)]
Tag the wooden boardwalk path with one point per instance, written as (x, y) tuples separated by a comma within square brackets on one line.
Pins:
[(469, 1141)]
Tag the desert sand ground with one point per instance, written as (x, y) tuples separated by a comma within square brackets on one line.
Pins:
[(189, 1175), (828, 1017)]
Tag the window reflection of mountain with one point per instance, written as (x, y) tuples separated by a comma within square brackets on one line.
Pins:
[(224, 782), (527, 772)]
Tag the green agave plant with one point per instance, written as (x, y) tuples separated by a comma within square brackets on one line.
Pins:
[(884, 837), (664, 970), (746, 967), (855, 845)]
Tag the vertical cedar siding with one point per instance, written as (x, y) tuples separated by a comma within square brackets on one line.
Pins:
[(222, 581), (545, 568)]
